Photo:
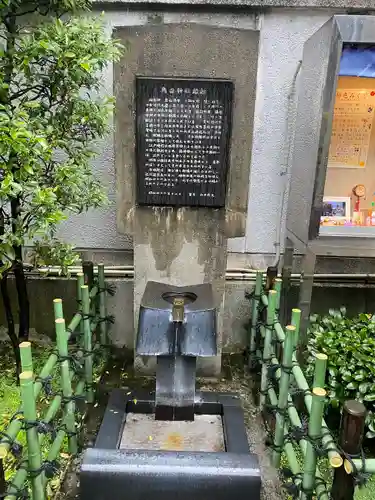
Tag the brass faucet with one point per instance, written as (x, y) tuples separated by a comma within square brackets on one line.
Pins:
[(178, 310)]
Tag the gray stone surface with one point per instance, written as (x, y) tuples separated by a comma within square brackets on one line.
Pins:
[(325, 4), (282, 35), (186, 50), (236, 308), (144, 432), (184, 246)]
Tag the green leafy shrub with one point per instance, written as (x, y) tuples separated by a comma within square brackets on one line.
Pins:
[(349, 344)]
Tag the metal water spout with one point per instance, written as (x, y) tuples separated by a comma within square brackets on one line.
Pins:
[(176, 324)]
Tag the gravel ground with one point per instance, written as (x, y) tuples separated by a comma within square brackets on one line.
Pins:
[(119, 374)]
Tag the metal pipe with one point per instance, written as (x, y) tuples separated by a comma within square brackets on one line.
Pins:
[(244, 275), (287, 165)]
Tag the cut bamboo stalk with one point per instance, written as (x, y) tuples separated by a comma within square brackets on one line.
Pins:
[(62, 348), (296, 320), (315, 430), (283, 393), (320, 370), (33, 448), (58, 308), (272, 294), (26, 357), (277, 287)]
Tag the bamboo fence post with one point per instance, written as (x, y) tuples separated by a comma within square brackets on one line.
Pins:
[(87, 344), (58, 308), (254, 319), (270, 278), (102, 305), (88, 273), (26, 357), (320, 370), (267, 350), (33, 448), (286, 370), (277, 286), (80, 283), (62, 348), (315, 430), (352, 430), (296, 320)]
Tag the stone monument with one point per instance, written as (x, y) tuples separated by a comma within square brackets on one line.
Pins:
[(184, 116)]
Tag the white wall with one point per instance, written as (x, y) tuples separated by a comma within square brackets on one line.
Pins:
[(283, 33)]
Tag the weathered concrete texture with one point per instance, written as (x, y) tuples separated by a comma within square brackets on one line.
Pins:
[(236, 307), (180, 247), (184, 246), (143, 432), (187, 50), (261, 4)]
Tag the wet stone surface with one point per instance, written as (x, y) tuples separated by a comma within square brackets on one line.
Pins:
[(119, 374), (145, 433)]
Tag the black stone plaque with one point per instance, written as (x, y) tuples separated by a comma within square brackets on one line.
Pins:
[(182, 141)]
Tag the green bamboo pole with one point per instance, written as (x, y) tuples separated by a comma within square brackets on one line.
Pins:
[(296, 321), (87, 338), (321, 490), (369, 465), (62, 347), (320, 370), (328, 441), (26, 357), (33, 448), (102, 305), (266, 358), (58, 308), (21, 475), (16, 424), (255, 316), (264, 300), (288, 447), (283, 393), (315, 430), (277, 287)]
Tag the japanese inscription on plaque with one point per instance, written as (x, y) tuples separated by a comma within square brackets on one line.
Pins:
[(182, 141)]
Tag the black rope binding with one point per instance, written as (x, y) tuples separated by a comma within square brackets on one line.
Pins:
[(49, 467), (41, 426), (46, 384), (14, 446), (110, 289), (18, 493)]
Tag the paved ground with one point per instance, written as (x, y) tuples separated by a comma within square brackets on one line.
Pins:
[(119, 374)]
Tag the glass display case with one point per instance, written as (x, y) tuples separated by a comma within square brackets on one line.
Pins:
[(332, 189), (331, 203)]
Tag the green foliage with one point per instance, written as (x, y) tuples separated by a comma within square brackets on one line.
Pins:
[(349, 344), (52, 113), (49, 252)]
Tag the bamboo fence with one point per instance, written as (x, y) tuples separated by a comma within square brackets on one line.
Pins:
[(281, 387), (67, 377)]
